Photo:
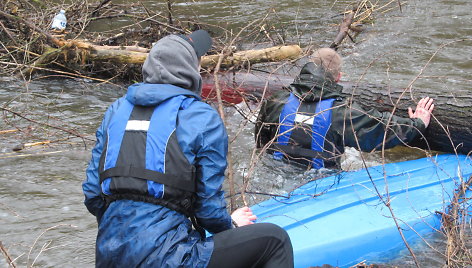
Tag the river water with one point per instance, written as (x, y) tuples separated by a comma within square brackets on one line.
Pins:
[(42, 219)]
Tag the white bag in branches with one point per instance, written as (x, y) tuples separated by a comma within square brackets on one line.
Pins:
[(60, 21)]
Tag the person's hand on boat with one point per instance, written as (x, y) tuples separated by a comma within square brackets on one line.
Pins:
[(243, 216), (423, 111)]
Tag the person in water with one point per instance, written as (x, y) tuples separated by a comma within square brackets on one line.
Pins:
[(154, 181), (310, 122)]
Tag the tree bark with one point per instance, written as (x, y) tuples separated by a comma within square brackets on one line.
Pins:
[(449, 130), (343, 30), (128, 55), (97, 54), (248, 57)]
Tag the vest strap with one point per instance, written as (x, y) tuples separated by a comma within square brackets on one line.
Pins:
[(148, 199), (147, 174), (296, 151)]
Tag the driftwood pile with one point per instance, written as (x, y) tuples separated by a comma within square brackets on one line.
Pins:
[(29, 45)]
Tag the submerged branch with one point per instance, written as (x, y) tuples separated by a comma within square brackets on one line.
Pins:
[(10, 261), (72, 132)]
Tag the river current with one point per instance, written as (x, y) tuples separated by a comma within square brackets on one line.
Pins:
[(43, 221)]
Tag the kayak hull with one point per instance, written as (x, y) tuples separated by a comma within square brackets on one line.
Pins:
[(344, 219)]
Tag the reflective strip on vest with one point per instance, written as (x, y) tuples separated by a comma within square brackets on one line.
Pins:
[(320, 122), (137, 125)]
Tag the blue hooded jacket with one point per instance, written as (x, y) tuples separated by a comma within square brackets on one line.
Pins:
[(139, 234)]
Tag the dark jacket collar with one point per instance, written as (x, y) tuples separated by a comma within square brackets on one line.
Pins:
[(314, 84)]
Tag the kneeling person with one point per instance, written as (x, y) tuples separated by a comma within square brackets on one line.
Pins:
[(157, 169)]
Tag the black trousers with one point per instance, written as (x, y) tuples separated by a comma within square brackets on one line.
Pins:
[(256, 245)]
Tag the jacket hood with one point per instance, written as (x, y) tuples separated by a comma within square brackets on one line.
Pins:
[(144, 94), (315, 84), (172, 60)]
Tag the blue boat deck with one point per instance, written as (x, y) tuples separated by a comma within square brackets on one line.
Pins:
[(343, 219)]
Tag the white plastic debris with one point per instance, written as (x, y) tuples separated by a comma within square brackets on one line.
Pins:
[(60, 21)]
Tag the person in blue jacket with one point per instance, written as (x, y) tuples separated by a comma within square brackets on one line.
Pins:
[(154, 181)]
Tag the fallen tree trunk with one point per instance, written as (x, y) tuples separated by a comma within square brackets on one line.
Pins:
[(136, 55), (449, 131), (98, 54), (272, 54), (248, 57)]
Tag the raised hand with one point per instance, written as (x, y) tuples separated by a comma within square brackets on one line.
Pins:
[(423, 110)]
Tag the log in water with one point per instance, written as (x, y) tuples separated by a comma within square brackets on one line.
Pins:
[(449, 130)]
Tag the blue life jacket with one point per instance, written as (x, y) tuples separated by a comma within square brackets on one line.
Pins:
[(142, 160), (296, 112)]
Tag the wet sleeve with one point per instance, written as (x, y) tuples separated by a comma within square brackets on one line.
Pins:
[(91, 185), (268, 119), (260, 130), (369, 128), (211, 211)]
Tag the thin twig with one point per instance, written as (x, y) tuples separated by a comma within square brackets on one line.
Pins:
[(37, 239), (72, 132), (7, 256)]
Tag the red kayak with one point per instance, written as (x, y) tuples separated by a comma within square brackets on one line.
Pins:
[(239, 86)]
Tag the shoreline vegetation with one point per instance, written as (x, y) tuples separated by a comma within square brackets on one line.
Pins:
[(30, 50)]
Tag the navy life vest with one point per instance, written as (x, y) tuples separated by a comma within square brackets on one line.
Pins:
[(142, 159), (304, 142)]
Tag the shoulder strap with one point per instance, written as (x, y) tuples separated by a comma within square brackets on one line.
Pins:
[(286, 122), (321, 125), (299, 152)]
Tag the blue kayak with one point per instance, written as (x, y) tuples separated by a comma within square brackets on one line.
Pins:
[(342, 220)]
